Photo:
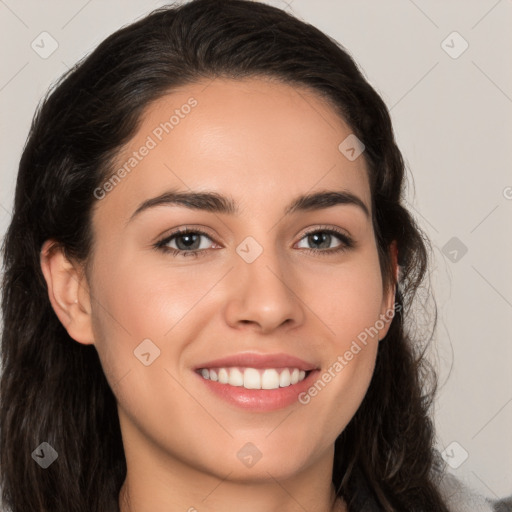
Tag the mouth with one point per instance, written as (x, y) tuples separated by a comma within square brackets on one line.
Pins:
[(255, 378), (257, 382)]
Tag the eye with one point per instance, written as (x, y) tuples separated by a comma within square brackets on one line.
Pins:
[(186, 242), (195, 242), (325, 240)]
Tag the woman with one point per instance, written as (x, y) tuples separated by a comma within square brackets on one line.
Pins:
[(209, 277)]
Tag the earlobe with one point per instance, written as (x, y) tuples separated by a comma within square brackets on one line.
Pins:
[(68, 292)]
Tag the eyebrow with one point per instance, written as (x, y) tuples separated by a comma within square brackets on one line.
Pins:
[(217, 203)]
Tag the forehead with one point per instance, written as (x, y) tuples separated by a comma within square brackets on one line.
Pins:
[(256, 139)]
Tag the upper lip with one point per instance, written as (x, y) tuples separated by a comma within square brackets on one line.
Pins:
[(255, 360)]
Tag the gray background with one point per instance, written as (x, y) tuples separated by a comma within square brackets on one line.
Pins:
[(452, 116)]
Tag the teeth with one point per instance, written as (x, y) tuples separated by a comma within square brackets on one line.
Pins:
[(223, 376), (252, 378), (236, 377), (284, 378), (270, 379)]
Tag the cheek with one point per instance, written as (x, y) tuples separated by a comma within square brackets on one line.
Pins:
[(145, 296), (134, 300), (349, 304), (348, 299)]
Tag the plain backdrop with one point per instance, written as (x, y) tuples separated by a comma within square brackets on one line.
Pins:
[(444, 70)]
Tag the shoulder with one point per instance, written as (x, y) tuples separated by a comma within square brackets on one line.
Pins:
[(460, 498)]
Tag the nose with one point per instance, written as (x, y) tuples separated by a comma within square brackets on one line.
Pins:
[(262, 295)]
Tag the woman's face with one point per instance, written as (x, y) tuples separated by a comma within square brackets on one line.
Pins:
[(278, 275)]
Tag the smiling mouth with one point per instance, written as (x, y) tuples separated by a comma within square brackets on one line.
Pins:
[(254, 378)]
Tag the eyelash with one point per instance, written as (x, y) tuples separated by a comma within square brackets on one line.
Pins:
[(346, 242)]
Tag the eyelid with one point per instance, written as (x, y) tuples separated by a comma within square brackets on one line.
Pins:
[(325, 227), (187, 228)]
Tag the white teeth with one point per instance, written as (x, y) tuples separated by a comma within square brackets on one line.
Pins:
[(270, 379), (284, 378), (223, 376), (236, 377), (252, 378)]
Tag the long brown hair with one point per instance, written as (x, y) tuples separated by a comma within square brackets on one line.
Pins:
[(54, 389)]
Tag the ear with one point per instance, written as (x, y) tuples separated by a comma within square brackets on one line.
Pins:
[(388, 299), (68, 292)]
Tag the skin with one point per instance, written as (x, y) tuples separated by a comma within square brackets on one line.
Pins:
[(262, 143)]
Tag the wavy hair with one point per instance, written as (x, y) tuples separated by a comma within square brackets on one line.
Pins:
[(54, 389)]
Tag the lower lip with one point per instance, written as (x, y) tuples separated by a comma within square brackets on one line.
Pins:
[(260, 400)]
